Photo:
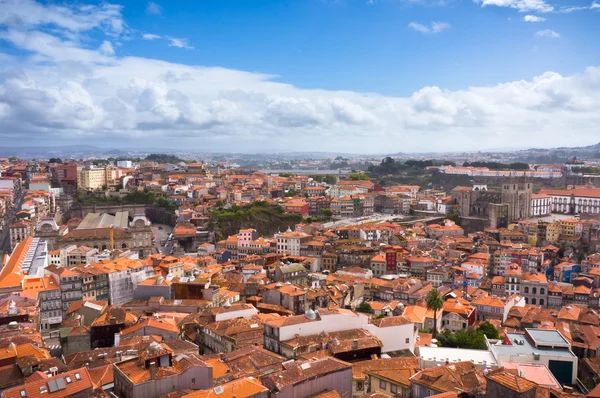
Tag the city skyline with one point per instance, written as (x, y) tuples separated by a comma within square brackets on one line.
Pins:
[(329, 76)]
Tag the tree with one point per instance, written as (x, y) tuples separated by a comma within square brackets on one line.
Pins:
[(329, 179), (365, 308), (358, 177), (435, 302), (291, 192), (488, 330), (55, 160), (326, 212), (12, 158)]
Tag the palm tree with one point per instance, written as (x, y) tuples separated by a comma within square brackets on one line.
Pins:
[(435, 302)]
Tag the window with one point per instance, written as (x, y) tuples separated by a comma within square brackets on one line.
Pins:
[(23, 393), (542, 291), (359, 386), (77, 376), (69, 380), (408, 340), (43, 389), (533, 301), (193, 380), (393, 388), (382, 384)]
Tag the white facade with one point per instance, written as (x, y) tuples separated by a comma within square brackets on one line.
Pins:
[(430, 357), (127, 164), (540, 205)]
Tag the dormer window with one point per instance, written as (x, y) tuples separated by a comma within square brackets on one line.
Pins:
[(77, 376)]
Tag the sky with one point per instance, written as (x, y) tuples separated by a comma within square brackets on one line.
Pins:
[(353, 76)]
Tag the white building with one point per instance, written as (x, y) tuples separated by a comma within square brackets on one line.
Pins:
[(396, 333), (541, 205), (430, 357), (574, 201), (126, 164), (289, 242)]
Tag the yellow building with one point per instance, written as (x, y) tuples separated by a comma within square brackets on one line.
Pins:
[(553, 232), (91, 178), (568, 226)]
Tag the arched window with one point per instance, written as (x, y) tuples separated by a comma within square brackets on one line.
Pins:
[(533, 301), (526, 289), (526, 300), (542, 291), (534, 290), (104, 247), (541, 301), (124, 246)]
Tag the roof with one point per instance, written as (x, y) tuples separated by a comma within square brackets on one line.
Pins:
[(511, 381), (299, 372), (56, 386), (460, 376), (240, 388)]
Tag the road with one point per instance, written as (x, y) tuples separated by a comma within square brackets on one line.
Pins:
[(9, 220), (161, 233)]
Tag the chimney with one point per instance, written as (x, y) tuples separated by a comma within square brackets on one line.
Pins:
[(355, 344), (117, 339), (152, 370)]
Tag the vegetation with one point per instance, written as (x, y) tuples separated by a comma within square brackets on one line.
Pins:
[(163, 158), (488, 330), (498, 165), (391, 166), (327, 178), (435, 302), (359, 177), (326, 212), (586, 170), (287, 175), (473, 339), (55, 160), (137, 198), (291, 192), (266, 218), (454, 216), (365, 308), (13, 158)]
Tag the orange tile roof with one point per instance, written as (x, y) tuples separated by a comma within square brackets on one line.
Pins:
[(80, 381), (240, 388)]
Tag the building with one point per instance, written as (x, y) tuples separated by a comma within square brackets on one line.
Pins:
[(453, 378), (547, 347), (20, 231), (28, 260), (396, 333), (72, 383), (541, 205), (290, 242), (574, 201), (245, 387), (157, 371), (102, 232), (307, 378)]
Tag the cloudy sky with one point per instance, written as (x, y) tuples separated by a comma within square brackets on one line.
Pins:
[(357, 76)]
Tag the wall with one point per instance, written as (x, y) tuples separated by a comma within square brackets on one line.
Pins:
[(394, 337), (328, 323), (340, 381)]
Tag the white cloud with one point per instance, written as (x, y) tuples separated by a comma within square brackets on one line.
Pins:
[(179, 43), (66, 93), (547, 33), (26, 14), (434, 27), (595, 6), (107, 48), (153, 8), (533, 18), (150, 36), (521, 5)]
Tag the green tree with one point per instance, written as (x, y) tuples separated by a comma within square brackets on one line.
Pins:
[(55, 160), (358, 177), (291, 192), (488, 330), (365, 308), (12, 158), (435, 302), (329, 179), (326, 212)]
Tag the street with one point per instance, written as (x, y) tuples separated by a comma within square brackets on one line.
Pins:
[(161, 234), (9, 220)]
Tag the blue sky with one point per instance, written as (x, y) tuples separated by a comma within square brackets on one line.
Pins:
[(261, 75), (362, 46)]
